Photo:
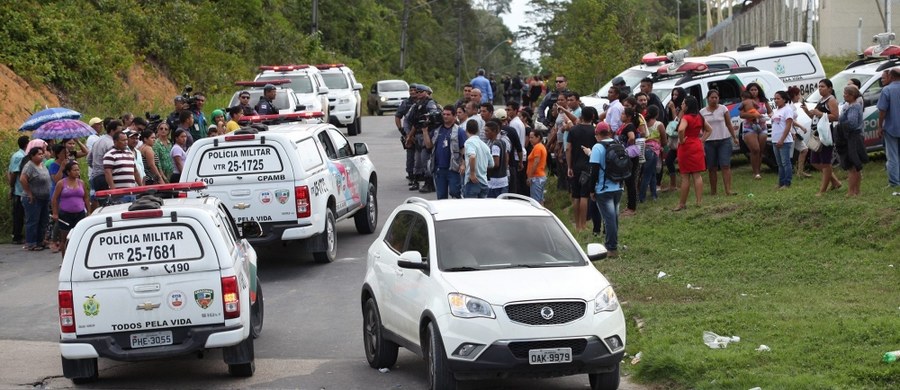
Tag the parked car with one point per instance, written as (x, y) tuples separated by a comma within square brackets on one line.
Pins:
[(158, 278), (488, 288), (386, 95), (344, 102), (306, 82)]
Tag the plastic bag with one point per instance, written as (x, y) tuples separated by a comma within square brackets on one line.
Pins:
[(715, 341)]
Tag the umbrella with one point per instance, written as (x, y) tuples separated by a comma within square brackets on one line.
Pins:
[(50, 114), (63, 129)]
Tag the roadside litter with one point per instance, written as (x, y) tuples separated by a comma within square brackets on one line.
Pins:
[(637, 358), (715, 341), (890, 357), (694, 287), (384, 370), (661, 275), (763, 348)]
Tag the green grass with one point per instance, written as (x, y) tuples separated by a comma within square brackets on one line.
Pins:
[(809, 277), (833, 65)]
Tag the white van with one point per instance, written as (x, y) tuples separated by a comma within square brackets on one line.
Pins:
[(795, 63), (296, 180)]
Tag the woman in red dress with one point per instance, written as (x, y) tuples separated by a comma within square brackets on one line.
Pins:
[(691, 160)]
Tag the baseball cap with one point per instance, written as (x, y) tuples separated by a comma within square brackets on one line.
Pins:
[(618, 80), (179, 99), (500, 114), (130, 133), (268, 87), (602, 128), (95, 121), (423, 88), (210, 127)]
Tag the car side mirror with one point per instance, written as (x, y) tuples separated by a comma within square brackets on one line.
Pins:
[(361, 148), (323, 90), (357, 86), (251, 229), (412, 260), (596, 252)]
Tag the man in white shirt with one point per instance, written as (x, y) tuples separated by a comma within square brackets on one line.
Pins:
[(613, 113)]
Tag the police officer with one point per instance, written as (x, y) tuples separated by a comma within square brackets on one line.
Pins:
[(265, 105), (421, 117), (403, 128)]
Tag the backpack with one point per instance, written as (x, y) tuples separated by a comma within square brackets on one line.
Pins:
[(618, 165)]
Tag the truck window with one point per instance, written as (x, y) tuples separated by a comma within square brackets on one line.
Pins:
[(309, 154), (341, 144), (729, 91), (785, 66), (327, 145)]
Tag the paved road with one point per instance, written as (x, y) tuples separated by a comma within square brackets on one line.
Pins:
[(312, 338)]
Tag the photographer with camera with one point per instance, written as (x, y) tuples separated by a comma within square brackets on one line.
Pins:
[(550, 99), (424, 116), (179, 104)]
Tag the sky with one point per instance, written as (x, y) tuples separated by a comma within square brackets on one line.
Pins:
[(515, 19)]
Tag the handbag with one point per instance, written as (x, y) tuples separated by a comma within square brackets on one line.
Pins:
[(585, 178), (814, 143)]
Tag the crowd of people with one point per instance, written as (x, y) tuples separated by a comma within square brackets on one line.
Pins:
[(473, 149), (48, 194)]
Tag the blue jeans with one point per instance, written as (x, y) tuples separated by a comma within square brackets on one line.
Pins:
[(892, 151), (648, 176), (608, 203), (446, 182), (475, 190), (37, 214), (495, 192), (537, 188), (783, 159)]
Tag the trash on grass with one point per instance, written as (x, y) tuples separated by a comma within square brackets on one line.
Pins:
[(384, 370), (639, 323), (715, 341), (756, 388), (637, 358), (694, 287), (763, 348), (890, 357), (661, 275)]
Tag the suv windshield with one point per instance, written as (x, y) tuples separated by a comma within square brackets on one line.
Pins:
[(392, 86), (335, 81), (300, 83), (513, 242), (281, 99)]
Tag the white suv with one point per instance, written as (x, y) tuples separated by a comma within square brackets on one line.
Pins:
[(344, 102), (483, 288), (158, 278), (305, 80)]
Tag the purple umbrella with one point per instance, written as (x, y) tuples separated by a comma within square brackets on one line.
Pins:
[(63, 129), (50, 114)]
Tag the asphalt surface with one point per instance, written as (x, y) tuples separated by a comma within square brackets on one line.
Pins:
[(312, 335)]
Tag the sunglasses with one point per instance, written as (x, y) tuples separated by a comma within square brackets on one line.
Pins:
[(245, 97), (560, 81)]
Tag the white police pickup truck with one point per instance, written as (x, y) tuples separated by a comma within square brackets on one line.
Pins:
[(296, 180), (158, 278)]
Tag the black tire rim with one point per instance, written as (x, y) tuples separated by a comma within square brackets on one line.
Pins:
[(372, 208), (371, 333)]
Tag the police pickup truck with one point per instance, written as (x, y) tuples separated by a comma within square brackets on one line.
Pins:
[(158, 278), (297, 180)]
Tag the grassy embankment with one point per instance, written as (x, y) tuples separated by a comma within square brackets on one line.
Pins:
[(815, 279)]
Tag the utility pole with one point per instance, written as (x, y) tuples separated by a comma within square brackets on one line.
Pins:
[(678, 19), (699, 29), (404, 25), (315, 16), (459, 11)]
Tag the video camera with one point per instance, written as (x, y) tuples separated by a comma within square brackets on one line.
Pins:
[(186, 94), (430, 120)]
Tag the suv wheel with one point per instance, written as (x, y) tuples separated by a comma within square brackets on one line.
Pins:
[(605, 381), (257, 312), (330, 237), (353, 127), (367, 219), (380, 353), (439, 375)]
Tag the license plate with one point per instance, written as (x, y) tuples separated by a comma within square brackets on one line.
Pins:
[(550, 356), (152, 339)]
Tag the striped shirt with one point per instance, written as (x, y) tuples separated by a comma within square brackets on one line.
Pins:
[(121, 163)]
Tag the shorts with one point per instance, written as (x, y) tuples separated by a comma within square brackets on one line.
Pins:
[(537, 188), (799, 144), (823, 156), (67, 221), (718, 153), (578, 191), (98, 183), (753, 129)]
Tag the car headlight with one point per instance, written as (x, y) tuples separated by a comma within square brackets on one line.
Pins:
[(383, 99), (606, 300), (344, 101), (464, 306)]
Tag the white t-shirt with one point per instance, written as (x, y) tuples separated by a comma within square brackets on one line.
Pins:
[(779, 122), (517, 124), (716, 120), (614, 115)]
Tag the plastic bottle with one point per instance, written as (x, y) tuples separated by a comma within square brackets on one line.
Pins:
[(890, 357)]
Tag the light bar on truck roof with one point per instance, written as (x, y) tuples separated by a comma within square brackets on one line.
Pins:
[(695, 67), (283, 68), (262, 83), (294, 116), (329, 66), (155, 188), (652, 58)]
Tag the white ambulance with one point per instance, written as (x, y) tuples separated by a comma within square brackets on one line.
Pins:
[(297, 180), (158, 278)]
